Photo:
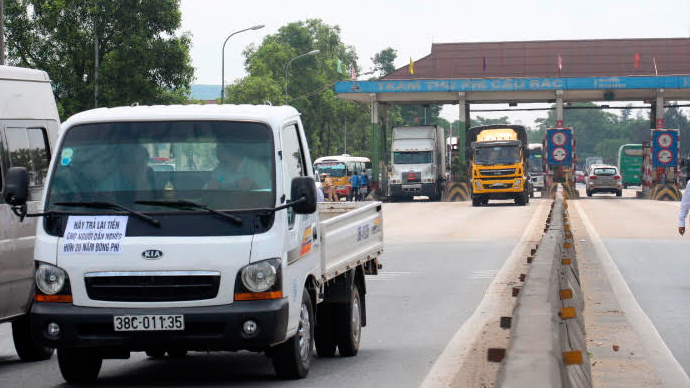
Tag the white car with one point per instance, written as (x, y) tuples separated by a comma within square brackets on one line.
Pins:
[(604, 178)]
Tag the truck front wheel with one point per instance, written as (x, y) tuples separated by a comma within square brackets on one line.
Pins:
[(79, 365), (349, 324), (26, 349), (292, 359)]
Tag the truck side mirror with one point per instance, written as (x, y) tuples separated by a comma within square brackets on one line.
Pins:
[(17, 190), (16, 187), (304, 187)]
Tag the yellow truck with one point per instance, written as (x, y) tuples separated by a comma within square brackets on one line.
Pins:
[(498, 157)]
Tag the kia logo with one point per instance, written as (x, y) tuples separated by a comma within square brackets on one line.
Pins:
[(152, 254)]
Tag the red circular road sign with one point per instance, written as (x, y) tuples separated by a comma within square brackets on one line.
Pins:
[(559, 154), (665, 140)]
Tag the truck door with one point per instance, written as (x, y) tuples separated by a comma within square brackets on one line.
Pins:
[(301, 227)]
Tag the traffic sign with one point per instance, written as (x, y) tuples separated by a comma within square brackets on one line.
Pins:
[(559, 154), (664, 148), (559, 142)]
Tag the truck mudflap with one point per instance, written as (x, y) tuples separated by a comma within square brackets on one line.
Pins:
[(205, 328)]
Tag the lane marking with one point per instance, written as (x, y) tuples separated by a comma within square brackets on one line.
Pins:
[(670, 371), (449, 362)]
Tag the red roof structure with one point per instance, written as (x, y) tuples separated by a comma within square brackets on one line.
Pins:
[(577, 58)]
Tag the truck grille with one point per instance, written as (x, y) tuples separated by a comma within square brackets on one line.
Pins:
[(159, 287), (412, 177), (505, 171)]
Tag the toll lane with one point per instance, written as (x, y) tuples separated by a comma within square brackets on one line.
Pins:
[(440, 259), (642, 239)]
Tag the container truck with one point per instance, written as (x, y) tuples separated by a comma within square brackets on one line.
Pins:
[(498, 159), (418, 156), (226, 251)]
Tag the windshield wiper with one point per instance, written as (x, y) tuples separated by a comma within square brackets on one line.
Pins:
[(183, 204), (109, 205)]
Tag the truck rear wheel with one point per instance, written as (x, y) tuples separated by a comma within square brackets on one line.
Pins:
[(349, 324), (292, 359), (26, 348), (79, 365), (324, 333)]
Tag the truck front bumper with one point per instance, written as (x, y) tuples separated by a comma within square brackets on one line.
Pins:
[(413, 189), (206, 328), (498, 189)]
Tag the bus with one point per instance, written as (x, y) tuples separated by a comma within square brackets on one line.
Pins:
[(630, 164), (340, 167)]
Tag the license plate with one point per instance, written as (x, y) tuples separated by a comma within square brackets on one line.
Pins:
[(148, 322), (497, 185)]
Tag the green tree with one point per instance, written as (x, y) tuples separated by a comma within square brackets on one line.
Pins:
[(383, 61), (332, 125), (141, 60)]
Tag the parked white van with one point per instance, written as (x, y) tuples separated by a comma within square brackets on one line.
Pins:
[(29, 123)]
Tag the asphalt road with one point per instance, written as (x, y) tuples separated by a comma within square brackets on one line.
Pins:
[(440, 259), (642, 239)]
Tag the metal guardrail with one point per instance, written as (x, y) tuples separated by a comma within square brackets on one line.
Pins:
[(547, 346)]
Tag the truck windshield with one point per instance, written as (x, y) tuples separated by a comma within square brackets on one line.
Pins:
[(220, 165), (497, 155), (414, 157)]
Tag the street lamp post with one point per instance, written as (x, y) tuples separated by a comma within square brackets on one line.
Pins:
[(222, 76), (287, 65)]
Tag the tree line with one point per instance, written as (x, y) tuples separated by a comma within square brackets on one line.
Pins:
[(113, 53)]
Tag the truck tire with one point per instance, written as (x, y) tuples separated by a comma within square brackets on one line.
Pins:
[(24, 344), (79, 365), (155, 353), (476, 201), (349, 324), (324, 333), (292, 359)]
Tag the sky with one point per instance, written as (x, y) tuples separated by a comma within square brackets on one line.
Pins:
[(410, 27)]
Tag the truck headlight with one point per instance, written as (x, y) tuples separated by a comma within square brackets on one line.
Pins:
[(259, 277), (478, 184), (50, 279), (518, 182)]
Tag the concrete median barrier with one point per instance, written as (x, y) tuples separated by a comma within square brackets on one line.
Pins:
[(456, 191), (548, 346)]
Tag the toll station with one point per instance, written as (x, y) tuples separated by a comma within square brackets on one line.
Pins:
[(651, 71)]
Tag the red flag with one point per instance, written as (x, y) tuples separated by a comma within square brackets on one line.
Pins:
[(353, 75), (637, 60)]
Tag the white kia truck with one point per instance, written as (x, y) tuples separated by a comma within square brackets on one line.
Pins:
[(226, 251)]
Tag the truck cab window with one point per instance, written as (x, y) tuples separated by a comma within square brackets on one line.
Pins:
[(28, 147), (293, 162)]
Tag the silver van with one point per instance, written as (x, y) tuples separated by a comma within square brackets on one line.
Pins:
[(29, 124)]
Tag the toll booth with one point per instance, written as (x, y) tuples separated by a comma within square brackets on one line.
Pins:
[(661, 170), (559, 163)]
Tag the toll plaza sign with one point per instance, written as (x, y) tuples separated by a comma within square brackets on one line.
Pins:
[(559, 143), (665, 148)]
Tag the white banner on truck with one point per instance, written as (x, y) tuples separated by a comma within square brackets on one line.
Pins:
[(94, 234)]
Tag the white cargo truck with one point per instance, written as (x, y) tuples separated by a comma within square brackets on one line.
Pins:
[(29, 125), (418, 162), (226, 251)]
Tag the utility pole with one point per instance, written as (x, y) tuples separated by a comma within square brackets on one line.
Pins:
[(2, 32)]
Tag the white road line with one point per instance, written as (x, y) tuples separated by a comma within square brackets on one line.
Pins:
[(669, 370), (450, 361)]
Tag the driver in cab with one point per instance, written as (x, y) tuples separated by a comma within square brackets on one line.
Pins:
[(237, 171)]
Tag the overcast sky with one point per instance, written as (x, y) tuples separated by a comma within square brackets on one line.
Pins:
[(410, 27)]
